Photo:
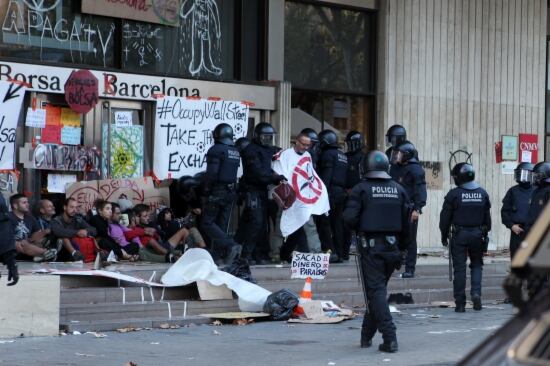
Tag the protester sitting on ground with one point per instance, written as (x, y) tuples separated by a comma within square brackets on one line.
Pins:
[(144, 253), (76, 234), (101, 222), (28, 235), (150, 238), (116, 232), (168, 225), (45, 211)]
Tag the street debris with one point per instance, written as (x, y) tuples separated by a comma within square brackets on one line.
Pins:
[(155, 343), (169, 326), (215, 332), (84, 355), (129, 329), (10, 341), (131, 364), (216, 323), (97, 335), (76, 332), (243, 321)]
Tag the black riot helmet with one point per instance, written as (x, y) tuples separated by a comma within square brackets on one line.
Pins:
[(223, 133), (187, 186), (395, 135), (310, 132), (376, 165), (524, 173), (541, 172), (464, 176), (403, 152), (242, 143), (328, 138), (264, 134), (354, 141)]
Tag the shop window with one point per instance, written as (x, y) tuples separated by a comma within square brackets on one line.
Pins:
[(329, 48), (52, 31), (339, 112)]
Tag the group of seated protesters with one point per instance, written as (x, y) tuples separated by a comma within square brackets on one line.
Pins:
[(132, 235)]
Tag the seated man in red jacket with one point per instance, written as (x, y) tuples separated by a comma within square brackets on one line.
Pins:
[(149, 237)]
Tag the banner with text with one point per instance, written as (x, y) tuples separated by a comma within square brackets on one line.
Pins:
[(11, 97), (314, 265), (183, 132)]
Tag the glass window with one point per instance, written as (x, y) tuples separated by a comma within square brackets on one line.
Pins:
[(52, 31), (329, 48)]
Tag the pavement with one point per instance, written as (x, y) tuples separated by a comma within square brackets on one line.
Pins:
[(426, 335)]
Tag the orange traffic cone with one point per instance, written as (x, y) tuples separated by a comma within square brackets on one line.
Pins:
[(305, 296)]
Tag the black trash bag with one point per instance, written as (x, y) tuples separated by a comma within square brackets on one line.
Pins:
[(280, 304), (241, 269)]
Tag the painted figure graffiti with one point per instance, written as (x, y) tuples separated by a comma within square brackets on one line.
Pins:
[(205, 23)]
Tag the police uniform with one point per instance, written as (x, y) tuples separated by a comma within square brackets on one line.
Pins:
[(412, 177), (377, 210), (7, 244), (515, 207), (466, 219), (219, 194), (353, 177), (539, 199), (332, 169), (257, 175)]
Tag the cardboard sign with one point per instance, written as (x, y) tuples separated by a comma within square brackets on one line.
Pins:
[(82, 91), (507, 167), (158, 11), (314, 265), (70, 118), (53, 115), (183, 132), (51, 134), (123, 119), (528, 147), (434, 174), (11, 97), (9, 181), (141, 190), (35, 118)]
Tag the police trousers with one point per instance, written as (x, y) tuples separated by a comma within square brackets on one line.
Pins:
[(410, 260), (331, 228), (254, 219), (467, 242), (377, 265), (214, 222), (515, 242)]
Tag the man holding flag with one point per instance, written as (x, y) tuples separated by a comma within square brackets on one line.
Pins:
[(311, 194)]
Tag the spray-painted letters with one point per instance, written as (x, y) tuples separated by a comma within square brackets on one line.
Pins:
[(11, 97), (65, 157)]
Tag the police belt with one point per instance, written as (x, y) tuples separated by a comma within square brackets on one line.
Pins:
[(457, 228), (228, 186)]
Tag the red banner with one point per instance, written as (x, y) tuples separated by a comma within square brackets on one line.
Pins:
[(528, 148)]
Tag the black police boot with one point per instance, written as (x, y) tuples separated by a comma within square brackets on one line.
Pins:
[(460, 308), (407, 275), (334, 258), (476, 300), (366, 341), (390, 347)]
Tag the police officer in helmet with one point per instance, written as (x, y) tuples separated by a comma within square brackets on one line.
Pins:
[(314, 148), (377, 210), (332, 169), (7, 244), (354, 146), (257, 175), (219, 193), (515, 205), (395, 135), (465, 221), (540, 195), (411, 176)]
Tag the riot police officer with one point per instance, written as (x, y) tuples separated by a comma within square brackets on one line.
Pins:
[(515, 205), (540, 195), (465, 221), (354, 146), (411, 176), (395, 135), (314, 148), (257, 175), (377, 209), (219, 192), (332, 169), (7, 244)]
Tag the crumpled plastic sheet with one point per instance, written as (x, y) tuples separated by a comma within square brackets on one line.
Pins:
[(197, 264)]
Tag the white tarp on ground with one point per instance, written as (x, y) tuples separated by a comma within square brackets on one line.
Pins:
[(197, 264)]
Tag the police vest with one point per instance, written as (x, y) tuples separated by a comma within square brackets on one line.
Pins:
[(383, 203), (469, 206), (338, 161), (229, 160), (520, 203), (539, 199)]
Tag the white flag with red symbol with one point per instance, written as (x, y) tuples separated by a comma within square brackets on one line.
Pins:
[(311, 193)]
